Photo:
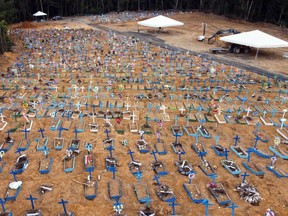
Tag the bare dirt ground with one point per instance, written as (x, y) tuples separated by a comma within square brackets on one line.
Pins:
[(271, 188)]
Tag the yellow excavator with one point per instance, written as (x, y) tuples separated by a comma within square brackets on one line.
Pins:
[(233, 48)]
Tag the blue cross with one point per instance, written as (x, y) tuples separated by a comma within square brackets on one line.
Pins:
[(107, 133), (244, 175), (31, 198), (45, 151), (244, 99), (176, 137), (249, 154), (201, 154), (63, 203), (100, 105), (236, 138), (76, 131), (233, 206), (41, 130), (81, 116), (216, 139), (156, 178), (86, 105), (257, 138), (69, 114), (88, 147), (154, 155), (206, 204), (173, 204), (226, 151), (202, 121), (111, 106), (26, 133), (227, 90), (139, 176), (61, 129), (147, 200), (110, 149), (131, 154)]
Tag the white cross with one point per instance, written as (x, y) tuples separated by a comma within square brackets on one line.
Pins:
[(82, 88), (33, 104), (164, 109), (264, 113), (93, 117), (107, 121), (284, 112), (248, 111), (2, 117), (78, 105), (56, 88), (282, 122), (182, 110), (127, 105), (133, 117), (75, 88)]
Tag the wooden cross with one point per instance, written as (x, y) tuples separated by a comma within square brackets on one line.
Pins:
[(236, 138), (41, 130), (233, 206), (244, 175), (26, 132), (206, 204), (156, 178), (173, 204), (32, 199), (63, 203), (131, 154)]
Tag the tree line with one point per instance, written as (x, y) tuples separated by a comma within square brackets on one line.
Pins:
[(274, 11)]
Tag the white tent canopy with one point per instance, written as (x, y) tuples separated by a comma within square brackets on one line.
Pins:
[(40, 13), (160, 22), (256, 39)]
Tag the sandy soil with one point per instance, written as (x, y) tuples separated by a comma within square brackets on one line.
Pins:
[(186, 37), (271, 188)]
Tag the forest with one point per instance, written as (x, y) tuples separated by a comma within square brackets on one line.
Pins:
[(11, 11), (273, 11)]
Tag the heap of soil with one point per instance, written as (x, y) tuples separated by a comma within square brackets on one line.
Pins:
[(25, 25)]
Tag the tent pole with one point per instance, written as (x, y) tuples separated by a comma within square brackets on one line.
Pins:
[(256, 56)]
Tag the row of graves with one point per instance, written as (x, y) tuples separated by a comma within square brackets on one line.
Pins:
[(73, 93)]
